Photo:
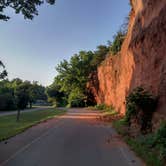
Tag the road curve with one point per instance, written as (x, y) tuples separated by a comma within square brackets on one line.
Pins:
[(75, 139)]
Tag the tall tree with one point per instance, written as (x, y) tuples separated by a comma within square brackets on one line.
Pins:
[(22, 98), (74, 74)]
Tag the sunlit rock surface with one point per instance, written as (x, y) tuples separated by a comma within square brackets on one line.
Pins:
[(141, 62)]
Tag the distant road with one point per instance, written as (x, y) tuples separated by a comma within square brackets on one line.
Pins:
[(3, 113), (75, 139)]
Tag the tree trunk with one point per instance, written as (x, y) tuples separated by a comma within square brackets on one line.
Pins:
[(30, 105), (18, 115)]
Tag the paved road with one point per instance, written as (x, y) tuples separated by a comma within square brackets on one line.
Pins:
[(3, 113), (75, 139)]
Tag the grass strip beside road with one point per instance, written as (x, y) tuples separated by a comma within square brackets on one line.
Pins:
[(140, 145), (9, 127)]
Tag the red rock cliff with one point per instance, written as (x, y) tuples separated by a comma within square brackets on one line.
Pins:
[(141, 62)]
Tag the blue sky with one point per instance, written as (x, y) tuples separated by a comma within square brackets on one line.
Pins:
[(32, 49)]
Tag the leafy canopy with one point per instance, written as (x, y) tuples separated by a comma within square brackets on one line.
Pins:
[(117, 42), (73, 75), (18, 94), (28, 8)]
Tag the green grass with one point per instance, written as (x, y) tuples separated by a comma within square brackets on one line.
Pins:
[(110, 113), (9, 127), (107, 110), (147, 154), (119, 126), (141, 145)]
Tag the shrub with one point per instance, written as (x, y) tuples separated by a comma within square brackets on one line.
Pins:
[(156, 142), (101, 106), (140, 105), (117, 43), (7, 102), (151, 147), (76, 98), (160, 140)]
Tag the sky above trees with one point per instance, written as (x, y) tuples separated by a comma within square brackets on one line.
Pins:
[(31, 49)]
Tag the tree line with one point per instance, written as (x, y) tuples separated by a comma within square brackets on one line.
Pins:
[(69, 86), (20, 94)]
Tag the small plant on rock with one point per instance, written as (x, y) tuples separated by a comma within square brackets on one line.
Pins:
[(101, 106)]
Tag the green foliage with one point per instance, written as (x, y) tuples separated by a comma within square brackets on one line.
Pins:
[(119, 126), (99, 55), (100, 106), (155, 143), (147, 154), (151, 147), (27, 8), (3, 72), (22, 96), (160, 141), (7, 102), (119, 38), (117, 42), (55, 96), (105, 108), (73, 76), (140, 105), (18, 94), (76, 98)]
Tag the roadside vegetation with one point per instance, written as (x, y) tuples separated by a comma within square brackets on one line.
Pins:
[(136, 127), (20, 93), (108, 112), (9, 127), (150, 147)]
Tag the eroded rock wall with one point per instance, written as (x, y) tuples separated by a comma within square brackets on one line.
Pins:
[(141, 62)]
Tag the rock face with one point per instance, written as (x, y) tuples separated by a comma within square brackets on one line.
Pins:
[(141, 62)]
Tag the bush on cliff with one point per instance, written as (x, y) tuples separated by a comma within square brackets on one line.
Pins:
[(140, 105), (117, 42)]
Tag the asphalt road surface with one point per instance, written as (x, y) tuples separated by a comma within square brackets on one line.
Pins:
[(75, 139)]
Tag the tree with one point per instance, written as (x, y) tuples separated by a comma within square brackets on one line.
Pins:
[(73, 75), (28, 8), (77, 98), (55, 96), (22, 98), (3, 73), (7, 101), (36, 92), (15, 82), (99, 55)]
